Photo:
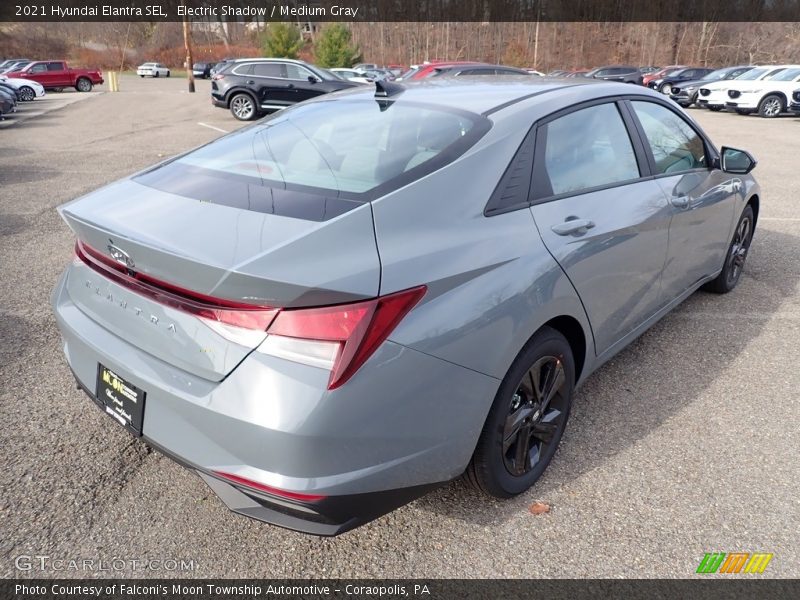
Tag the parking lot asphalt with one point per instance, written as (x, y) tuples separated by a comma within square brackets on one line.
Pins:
[(686, 443), (49, 102)]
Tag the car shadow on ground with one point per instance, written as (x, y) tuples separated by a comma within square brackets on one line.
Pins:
[(22, 173), (650, 381)]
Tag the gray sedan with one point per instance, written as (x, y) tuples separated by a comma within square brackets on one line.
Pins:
[(352, 301)]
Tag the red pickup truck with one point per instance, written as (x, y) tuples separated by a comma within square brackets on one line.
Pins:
[(54, 74)]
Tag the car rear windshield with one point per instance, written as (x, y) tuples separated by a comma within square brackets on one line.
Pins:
[(349, 149)]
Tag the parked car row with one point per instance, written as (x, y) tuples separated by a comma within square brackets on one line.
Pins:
[(249, 87), (51, 75), (766, 90), (14, 90)]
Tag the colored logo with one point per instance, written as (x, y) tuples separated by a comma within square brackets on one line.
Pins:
[(734, 562)]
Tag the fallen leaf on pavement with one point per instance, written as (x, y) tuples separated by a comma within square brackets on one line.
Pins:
[(539, 508)]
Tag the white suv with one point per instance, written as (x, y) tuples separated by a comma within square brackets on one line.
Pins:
[(152, 69), (768, 97), (714, 96)]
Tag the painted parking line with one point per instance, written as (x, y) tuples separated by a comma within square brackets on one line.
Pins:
[(212, 127)]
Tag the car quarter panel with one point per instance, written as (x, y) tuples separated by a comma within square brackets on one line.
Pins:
[(491, 282)]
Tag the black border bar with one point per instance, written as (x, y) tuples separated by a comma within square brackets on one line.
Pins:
[(402, 10), (722, 588)]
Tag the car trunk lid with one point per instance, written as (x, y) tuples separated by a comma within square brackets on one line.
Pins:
[(219, 257)]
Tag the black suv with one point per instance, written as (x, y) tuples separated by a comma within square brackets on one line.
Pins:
[(249, 87), (621, 73)]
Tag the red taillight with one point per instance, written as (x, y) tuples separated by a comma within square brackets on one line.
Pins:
[(243, 481), (338, 338), (352, 332), (228, 312)]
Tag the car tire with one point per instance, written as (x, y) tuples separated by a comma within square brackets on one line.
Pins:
[(243, 107), (736, 256), (142, 76), (58, 89), (26, 93), (771, 106), (167, 73), (519, 437), (83, 85), (156, 75), (665, 88), (714, 108)]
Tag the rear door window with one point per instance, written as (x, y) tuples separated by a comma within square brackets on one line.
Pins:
[(478, 72), (55, 66), (584, 149), (269, 70)]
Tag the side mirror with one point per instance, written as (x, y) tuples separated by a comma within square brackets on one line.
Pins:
[(736, 161), (312, 79)]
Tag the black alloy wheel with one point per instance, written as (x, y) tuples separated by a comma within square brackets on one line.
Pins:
[(736, 256), (536, 412), (527, 418)]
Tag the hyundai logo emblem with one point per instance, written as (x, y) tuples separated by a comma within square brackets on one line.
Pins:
[(119, 255)]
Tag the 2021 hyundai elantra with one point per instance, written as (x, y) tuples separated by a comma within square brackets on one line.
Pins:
[(342, 306)]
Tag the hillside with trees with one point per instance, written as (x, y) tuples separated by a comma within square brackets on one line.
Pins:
[(541, 45)]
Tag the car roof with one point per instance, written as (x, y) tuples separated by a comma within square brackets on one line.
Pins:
[(484, 97), (632, 68), (289, 60)]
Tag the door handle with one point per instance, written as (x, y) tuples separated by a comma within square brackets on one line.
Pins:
[(251, 82), (290, 86), (572, 226), (680, 201)]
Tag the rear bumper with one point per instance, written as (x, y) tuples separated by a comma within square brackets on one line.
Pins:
[(327, 517), (380, 441), (218, 101)]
